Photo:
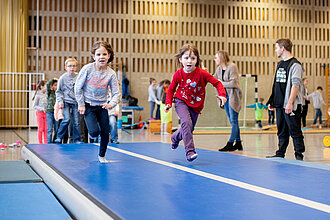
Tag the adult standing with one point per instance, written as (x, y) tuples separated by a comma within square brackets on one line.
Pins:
[(287, 98), (227, 73)]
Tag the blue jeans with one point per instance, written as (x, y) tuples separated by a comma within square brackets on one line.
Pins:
[(70, 112), (152, 107), (318, 115), (113, 128), (233, 119), (97, 122), (51, 126)]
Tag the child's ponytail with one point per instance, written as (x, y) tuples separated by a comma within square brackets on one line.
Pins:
[(41, 83)]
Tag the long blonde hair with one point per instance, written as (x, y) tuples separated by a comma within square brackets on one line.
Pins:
[(224, 57)]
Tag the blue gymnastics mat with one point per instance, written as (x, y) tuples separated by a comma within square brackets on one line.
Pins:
[(29, 201), (17, 172), (150, 181)]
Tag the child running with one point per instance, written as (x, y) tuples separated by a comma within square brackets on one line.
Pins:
[(189, 97), (259, 111), (91, 90), (165, 117), (40, 104)]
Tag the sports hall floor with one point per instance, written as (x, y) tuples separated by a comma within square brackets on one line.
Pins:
[(147, 180), (258, 144)]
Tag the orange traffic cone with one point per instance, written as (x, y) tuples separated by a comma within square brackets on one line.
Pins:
[(140, 125)]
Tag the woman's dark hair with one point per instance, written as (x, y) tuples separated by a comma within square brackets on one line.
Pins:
[(41, 83), (106, 45), (187, 47)]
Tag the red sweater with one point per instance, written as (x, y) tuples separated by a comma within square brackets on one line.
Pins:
[(192, 88)]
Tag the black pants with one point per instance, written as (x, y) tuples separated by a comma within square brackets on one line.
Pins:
[(259, 123), (289, 125), (158, 112), (304, 114), (271, 117), (97, 122)]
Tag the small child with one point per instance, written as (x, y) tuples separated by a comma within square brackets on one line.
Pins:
[(52, 124), (304, 104), (159, 88), (67, 101), (152, 97), (58, 115), (40, 104), (259, 111), (271, 116), (91, 90), (317, 103), (190, 96), (165, 117), (113, 114)]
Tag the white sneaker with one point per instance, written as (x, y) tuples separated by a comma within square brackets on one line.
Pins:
[(103, 160)]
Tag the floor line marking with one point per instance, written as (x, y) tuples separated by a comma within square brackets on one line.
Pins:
[(268, 192)]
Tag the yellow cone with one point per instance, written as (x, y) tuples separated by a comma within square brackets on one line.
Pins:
[(326, 141)]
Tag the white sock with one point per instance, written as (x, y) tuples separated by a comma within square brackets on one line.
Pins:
[(165, 128), (162, 128)]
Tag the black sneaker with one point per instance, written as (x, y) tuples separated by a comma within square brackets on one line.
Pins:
[(299, 157), (274, 156)]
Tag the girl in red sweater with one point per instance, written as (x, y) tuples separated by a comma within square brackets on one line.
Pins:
[(190, 95)]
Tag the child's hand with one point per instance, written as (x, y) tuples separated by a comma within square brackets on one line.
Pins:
[(167, 108), (61, 106), (81, 110), (223, 100), (106, 106)]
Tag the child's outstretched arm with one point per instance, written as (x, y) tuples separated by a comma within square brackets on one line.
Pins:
[(223, 100), (171, 90), (251, 106), (115, 94)]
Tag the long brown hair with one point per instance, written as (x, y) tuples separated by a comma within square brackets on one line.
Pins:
[(187, 47), (224, 57)]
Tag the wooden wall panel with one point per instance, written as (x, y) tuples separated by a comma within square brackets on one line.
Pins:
[(146, 34)]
